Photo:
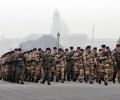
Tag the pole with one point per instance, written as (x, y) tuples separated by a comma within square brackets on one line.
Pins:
[(58, 37)]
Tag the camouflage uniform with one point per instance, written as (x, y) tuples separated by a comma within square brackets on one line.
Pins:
[(104, 63), (116, 59), (54, 53), (67, 63), (60, 67), (89, 66), (20, 68), (9, 67), (47, 63), (70, 66), (30, 66), (96, 74), (38, 67), (78, 66)]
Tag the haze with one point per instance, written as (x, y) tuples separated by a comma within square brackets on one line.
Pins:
[(20, 18)]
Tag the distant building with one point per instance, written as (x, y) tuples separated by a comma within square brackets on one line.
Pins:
[(43, 42), (58, 24), (66, 39)]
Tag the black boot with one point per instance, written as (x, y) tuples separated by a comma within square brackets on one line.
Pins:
[(114, 81), (99, 82), (62, 81), (91, 82), (80, 80), (36, 80), (49, 83), (106, 83), (22, 83), (57, 80)]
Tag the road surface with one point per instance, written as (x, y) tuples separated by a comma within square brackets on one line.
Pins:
[(59, 91)]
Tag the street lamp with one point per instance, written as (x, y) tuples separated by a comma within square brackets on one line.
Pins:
[(58, 38)]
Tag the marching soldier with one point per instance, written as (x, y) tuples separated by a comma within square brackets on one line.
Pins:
[(38, 69), (110, 67), (103, 58), (89, 65), (96, 65), (60, 65), (116, 60), (20, 67), (78, 65), (47, 66), (54, 53), (70, 66), (66, 53)]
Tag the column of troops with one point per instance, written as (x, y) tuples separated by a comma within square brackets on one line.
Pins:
[(83, 65)]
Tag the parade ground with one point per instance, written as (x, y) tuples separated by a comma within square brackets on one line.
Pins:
[(59, 91)]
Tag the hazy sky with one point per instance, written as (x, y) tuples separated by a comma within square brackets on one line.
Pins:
[(19, 18)]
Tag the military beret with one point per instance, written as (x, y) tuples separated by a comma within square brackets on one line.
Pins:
[(60, 49), (12, 51), (71, 47), (103, 46), (34, 49), (88, 47), (117, 45), (95, 48), (15, 49), (19, 49), (78, 48), (66, 49), (48, 49), (82, 49), (55, 48), (31, 51), (107, 47), (39, 49)]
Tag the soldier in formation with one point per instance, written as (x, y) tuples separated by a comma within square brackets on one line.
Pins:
[(83, 65)]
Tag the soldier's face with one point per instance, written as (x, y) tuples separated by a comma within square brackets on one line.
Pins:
[(89, 49), (55, 51), (118, 49), (62, 53), (103, 49), (48, 51), (78, 50), (95, 50), (71, 49), (66, 51)]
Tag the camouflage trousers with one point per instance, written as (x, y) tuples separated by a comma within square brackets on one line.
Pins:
[(89, 72), (30, 73), (53, 73), (78, 72), (103, 72), (38, 73), (69, 71), (110, 72), (46, 74), (0, 73), (116, 73), (20, 74), (60, 72)]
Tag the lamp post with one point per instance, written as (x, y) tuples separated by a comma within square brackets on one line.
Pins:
[(58, 38)]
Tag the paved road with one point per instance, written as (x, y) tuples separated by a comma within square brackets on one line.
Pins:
[(59, 91)]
